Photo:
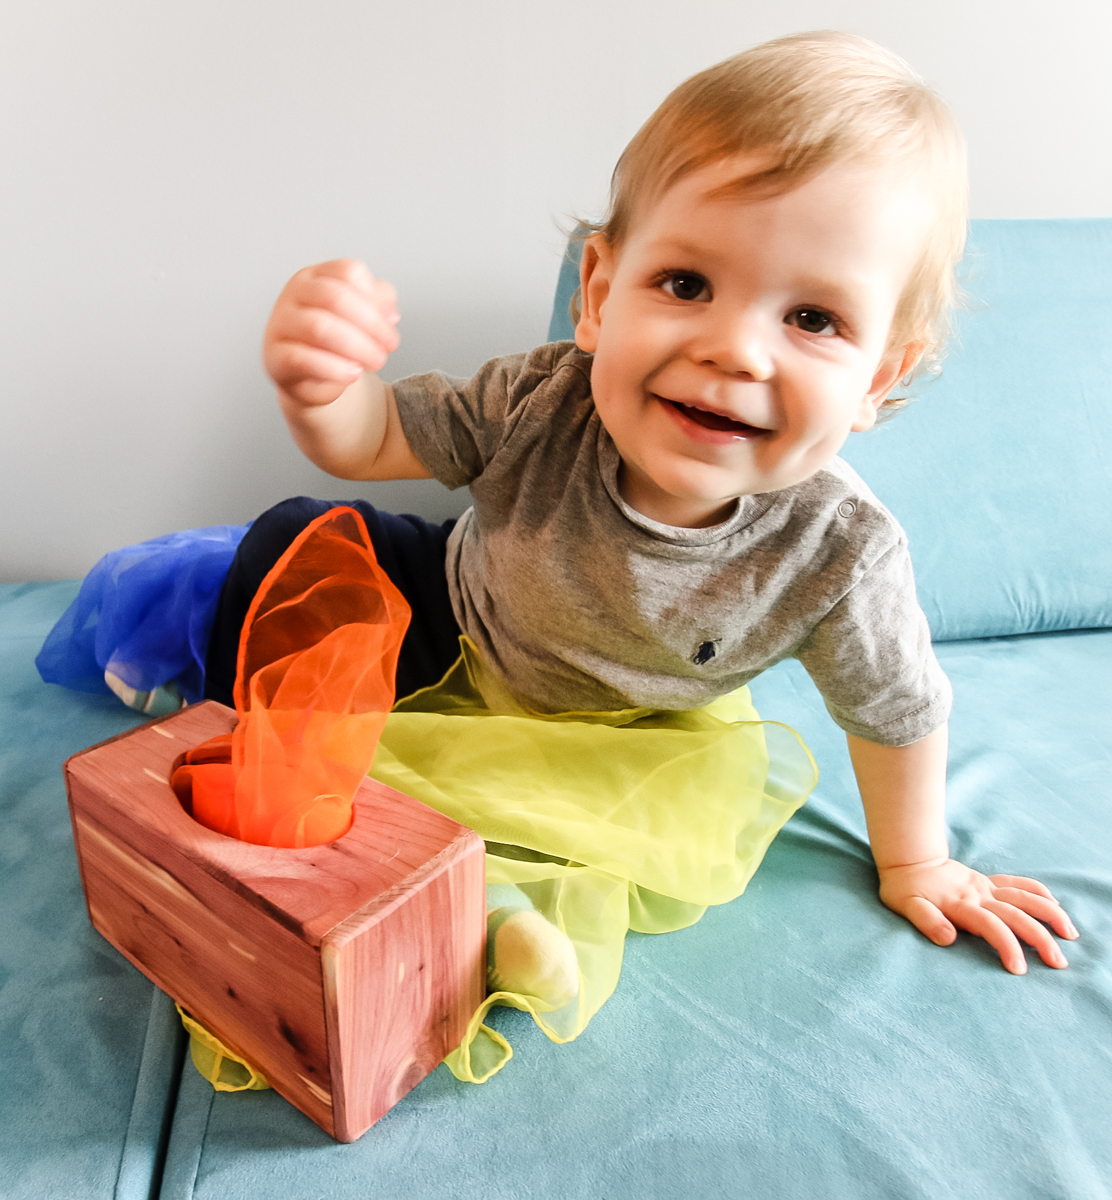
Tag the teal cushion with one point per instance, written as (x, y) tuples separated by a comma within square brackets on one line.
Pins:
[(801, 1043), (1001, 472), (90, 1051)]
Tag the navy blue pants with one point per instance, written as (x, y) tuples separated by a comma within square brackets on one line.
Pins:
[(410, 550)]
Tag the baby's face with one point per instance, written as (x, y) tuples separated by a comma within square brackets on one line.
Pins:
[(738, 342)]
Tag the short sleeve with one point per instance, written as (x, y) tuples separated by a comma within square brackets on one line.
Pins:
[(456, 426), (872, 660)]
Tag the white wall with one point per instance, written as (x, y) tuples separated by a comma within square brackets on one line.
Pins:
[(167, 165)]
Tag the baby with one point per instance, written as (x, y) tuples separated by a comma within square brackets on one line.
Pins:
[(659, 513)]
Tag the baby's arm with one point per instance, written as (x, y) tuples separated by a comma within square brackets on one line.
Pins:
[(904, 792), (332, 327)]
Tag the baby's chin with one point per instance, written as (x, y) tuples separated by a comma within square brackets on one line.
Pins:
[(678, 500), (702, 495)]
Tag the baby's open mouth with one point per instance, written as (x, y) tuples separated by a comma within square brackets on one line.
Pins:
[(713, 420)]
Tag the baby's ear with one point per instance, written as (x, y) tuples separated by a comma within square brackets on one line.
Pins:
[(894, 366), (596, 268)]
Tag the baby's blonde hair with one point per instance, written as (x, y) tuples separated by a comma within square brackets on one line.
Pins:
[(806, 102)]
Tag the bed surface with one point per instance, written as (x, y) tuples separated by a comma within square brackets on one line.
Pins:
[(800, 1042)]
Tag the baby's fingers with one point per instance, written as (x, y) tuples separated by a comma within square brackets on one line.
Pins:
[(323, 329), (374, 312), (975, 919), (928, 920), (313, 376), (1032, 932), (357, 273), (1039, 906), (1023, 883)]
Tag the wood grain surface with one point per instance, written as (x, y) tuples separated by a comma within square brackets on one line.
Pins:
[(386, 1038), (343, 972)]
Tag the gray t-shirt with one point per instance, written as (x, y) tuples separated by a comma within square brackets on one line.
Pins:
[(581, 603)]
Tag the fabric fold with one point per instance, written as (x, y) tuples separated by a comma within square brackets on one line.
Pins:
[(315, 681), (637, 819)]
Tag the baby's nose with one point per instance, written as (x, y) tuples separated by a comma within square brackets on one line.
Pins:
[(737, 344)]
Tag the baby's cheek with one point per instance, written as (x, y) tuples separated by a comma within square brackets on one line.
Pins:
[(800, 455)]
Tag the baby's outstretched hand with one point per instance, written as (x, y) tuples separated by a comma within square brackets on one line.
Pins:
[(332, 322), (940, 897)]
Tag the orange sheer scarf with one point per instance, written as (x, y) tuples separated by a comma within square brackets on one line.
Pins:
[(314, 684)]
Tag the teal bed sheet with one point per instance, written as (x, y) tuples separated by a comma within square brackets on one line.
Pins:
[(801, 1042), (89, 1054)]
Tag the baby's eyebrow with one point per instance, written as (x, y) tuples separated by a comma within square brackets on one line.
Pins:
[(824, 290), (681, 248)]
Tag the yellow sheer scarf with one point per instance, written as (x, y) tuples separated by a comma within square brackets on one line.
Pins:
[(609, 821)]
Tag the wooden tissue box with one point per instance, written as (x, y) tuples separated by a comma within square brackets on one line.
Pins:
[(344, 973)]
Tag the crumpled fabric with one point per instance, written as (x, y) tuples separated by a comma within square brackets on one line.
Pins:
[(145, 613), (607, 821), (218, 1065), (314, 683)]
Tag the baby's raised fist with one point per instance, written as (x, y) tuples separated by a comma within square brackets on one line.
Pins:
[(332, 322)]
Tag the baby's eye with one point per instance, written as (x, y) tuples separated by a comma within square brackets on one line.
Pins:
[(812, 320), (686, 285)]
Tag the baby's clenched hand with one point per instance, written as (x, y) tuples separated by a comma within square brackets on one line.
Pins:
[(331, 323), (937, 896)]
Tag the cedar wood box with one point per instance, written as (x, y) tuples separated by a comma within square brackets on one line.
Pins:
[(344, 972)]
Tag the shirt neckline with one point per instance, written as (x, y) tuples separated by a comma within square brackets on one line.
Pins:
[(747, 509)]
